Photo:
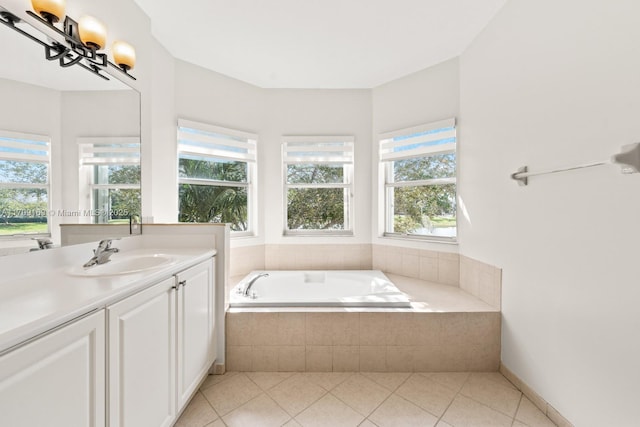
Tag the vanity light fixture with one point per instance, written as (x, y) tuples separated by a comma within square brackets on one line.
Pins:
[(51, 10), (79, 42)]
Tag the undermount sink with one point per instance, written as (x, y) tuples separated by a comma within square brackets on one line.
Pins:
[(123, 265)]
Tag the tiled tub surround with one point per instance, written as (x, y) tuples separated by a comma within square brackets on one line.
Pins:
[(477, 278), (451, 331)]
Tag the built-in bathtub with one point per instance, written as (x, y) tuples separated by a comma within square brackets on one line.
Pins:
[(349, 288)]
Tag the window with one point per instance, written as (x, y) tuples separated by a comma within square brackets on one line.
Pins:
[(24, 184), (216, 175), (318, 184), (110, 178), (419, 169)]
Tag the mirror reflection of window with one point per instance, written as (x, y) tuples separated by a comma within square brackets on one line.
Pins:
[(109, 180), (24, 184)]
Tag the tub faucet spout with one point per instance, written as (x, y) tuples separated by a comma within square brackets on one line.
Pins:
[(251, 282)]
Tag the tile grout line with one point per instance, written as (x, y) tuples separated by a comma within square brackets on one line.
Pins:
[(210, 405), (293, 417), (517, 409), (266, 393), (487, 406), (453, 399)]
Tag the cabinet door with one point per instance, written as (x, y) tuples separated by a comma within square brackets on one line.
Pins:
[(142, 358), (195, 327), (57, 380)]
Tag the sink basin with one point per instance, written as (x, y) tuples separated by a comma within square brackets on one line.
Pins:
[(124, 265)]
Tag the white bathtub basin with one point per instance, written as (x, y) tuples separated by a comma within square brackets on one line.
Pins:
[(346, 288), (124, 265)]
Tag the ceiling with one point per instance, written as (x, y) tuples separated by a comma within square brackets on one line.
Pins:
[(317, 43)]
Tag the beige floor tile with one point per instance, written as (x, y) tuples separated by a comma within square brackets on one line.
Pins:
[(493, 376), (228, 395), (443, 424), (296, 393), (492, 394), (453, 380), (215, 379), (327, 380), (388, 380), (529, 414), (329, 412), (198, 414), (517, 423), (398, 412), (426, 393), (266, 380), (292, 423), (467, 412), (216, 423), (367, 423), (361, 394), (261, 411)]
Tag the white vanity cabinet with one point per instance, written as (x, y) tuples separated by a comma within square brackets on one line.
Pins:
[(160, 348), (196, 333), (133, 362), (142, 363), (57, 380)]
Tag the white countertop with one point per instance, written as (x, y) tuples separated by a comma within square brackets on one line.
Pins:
[(44, 298)]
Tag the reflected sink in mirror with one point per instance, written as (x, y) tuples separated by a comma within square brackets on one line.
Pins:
[(124, 264)]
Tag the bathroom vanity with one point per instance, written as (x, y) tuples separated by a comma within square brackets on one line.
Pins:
[(124, 347)]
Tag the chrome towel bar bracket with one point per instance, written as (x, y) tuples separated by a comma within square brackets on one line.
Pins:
[(629, 158)]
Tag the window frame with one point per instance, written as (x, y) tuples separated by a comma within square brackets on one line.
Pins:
[(44, 146), (348, 164), (386, 159), (127, 155), (251, 159)]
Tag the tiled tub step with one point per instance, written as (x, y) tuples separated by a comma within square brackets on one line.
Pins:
[(366, 341)]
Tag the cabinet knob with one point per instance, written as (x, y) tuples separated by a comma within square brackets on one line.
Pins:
[(182, 282)]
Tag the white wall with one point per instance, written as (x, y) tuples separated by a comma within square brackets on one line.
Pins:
[(551, 84), (209, 97), (161, 162), (205, 96), (423, 97), (91, 114), (34, 109), (314, 112)]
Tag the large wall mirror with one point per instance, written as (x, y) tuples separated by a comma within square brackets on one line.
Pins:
[(69, 147)]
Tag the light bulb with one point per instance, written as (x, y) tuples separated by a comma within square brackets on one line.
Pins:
[(51, 10), (93, 33), (124, 55)]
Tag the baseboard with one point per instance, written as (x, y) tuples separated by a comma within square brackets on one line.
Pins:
[(217, 369), (535, 398)]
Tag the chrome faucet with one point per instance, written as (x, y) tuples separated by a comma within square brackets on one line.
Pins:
[(101, 254), (251, 282), (43, 243)]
